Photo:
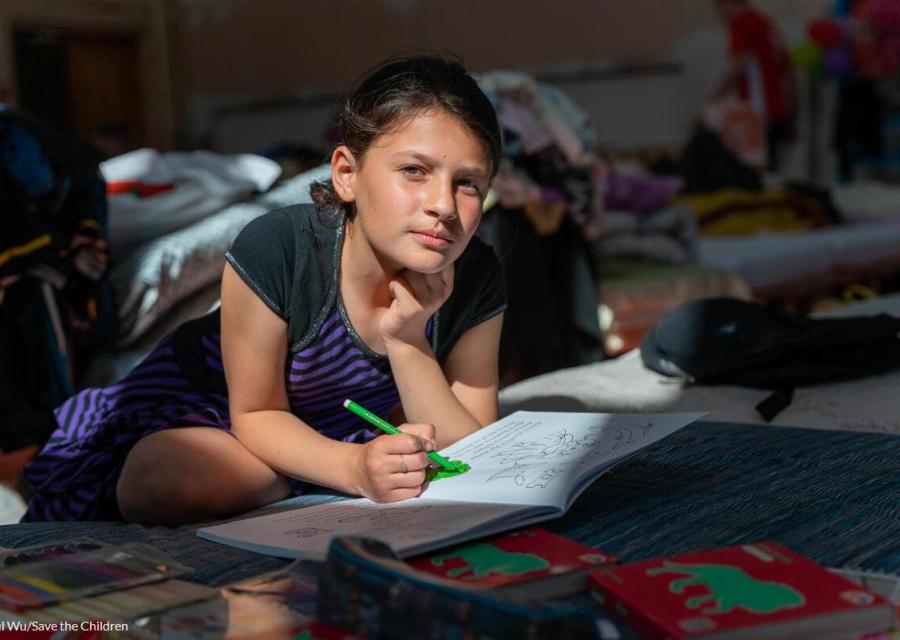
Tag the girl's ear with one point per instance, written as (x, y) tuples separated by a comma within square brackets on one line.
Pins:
[(343, 173)]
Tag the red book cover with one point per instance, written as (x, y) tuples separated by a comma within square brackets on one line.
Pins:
[(508, 560), (759, 590)]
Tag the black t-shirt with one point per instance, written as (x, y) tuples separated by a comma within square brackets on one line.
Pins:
[(291, 259)]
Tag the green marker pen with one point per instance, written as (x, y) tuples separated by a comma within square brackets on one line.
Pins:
[(387, 427)]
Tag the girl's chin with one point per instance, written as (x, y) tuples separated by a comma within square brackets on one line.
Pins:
[(426, 265), (423, 267), (427, 261)]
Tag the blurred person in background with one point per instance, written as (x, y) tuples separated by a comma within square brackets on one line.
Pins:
[(759, 71)]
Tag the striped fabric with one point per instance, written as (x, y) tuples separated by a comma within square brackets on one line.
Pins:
[(75, 474)]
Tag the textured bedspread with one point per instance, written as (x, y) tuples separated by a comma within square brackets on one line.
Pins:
[(833, 496)]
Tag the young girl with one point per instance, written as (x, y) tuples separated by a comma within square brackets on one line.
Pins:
[(379, 294)]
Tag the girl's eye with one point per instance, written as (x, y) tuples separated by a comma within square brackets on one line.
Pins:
[(413, 170), (471, 187)]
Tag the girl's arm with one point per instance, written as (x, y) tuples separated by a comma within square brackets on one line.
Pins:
[(460, 398), (254, 353)]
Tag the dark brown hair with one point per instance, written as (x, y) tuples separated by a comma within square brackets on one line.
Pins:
[(398, 89)]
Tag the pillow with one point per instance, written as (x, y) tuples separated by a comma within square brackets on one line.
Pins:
[(160, 273), (151, 193)]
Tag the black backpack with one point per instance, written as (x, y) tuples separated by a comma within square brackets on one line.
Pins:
[(729, 341)]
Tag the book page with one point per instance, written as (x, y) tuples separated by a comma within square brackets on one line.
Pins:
[(408, 527), (540, 458), (525, 468)]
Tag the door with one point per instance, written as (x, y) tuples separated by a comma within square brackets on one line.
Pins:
[(87, 84)]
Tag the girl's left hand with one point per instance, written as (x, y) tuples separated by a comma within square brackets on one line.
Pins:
[(416, 297)]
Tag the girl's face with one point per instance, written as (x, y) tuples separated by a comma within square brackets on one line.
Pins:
[(418, 191)]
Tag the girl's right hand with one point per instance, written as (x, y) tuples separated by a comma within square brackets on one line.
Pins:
[(392, 467)]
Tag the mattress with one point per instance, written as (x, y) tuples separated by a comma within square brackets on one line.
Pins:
[(786, 265)]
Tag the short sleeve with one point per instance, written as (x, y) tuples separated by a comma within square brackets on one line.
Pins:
[(479, 293), (492, 295), (263, 255)]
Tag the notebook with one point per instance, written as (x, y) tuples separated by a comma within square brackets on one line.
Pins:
[(746, 592), (527, 467)]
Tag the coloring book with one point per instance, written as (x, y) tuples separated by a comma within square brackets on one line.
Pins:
[(527, 467)]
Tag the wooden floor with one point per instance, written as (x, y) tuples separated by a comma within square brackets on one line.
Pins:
[(11, 463)]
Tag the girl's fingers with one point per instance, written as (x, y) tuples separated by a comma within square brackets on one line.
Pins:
[(402, 494), (409, 480), (435, 284), (428, 288), (402, 293), (424, 431), (402, 444), (418, 283), (413, 462), (399, 485), (404, 464)]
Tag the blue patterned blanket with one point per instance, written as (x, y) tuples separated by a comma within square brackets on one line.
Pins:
[(833, 496)]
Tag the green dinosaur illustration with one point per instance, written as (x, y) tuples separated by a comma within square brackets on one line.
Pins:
[(730, 587), (485, 559)]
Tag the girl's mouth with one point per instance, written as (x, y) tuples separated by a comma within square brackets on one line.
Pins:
[(432, 239)]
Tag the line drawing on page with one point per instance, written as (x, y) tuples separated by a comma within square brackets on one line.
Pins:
[(307, 532), (534, 464), (376, 517), (525, 468)]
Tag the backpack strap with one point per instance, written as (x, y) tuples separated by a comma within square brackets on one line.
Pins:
[(775, 403)]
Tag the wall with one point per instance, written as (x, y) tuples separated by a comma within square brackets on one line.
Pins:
[(288, 58)]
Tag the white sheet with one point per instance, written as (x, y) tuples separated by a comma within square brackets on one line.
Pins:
[(867, 199), (199, 184), (526, 468), (158, 275), (625, 385)]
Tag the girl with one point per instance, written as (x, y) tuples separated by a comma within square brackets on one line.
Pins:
[(379, 294)]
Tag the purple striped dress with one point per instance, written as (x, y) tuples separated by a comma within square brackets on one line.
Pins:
[(75, 474)]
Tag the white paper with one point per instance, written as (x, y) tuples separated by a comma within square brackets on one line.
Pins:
[(407, 527), (537, 457), (525, 468)]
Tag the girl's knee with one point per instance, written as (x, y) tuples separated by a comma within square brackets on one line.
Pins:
[(154, 488), (151, 503), (190, 475)]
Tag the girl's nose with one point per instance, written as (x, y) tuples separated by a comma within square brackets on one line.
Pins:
[(441, 202)]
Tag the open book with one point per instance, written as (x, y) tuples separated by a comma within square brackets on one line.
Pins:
[(528, 467)]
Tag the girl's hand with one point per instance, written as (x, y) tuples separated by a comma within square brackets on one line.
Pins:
[(416, 297), (392, 468)]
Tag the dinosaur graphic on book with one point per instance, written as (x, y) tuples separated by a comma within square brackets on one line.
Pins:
[(730, 588), (485, 559)]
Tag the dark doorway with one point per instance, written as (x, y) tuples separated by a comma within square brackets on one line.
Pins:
[(41, 73), (87, 84)]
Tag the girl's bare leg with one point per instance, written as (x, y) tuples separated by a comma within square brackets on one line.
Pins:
[(192, 474)]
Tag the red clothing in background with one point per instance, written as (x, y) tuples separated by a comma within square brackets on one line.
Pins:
[(752, 35)]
